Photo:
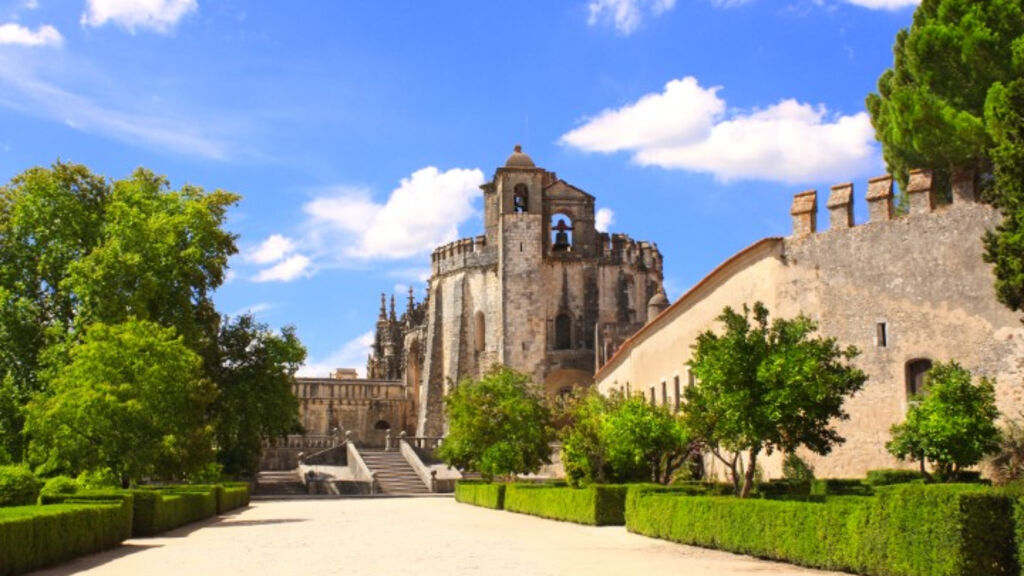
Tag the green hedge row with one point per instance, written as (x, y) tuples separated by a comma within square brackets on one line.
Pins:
[(164, 508), (904, 530), (480, 494), (597, 505), (33, 537)]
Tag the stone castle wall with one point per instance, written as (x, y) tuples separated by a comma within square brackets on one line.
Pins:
[(902, 289)]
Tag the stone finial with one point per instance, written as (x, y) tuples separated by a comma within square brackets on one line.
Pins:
[(880, 199), (805, 213), (964, 191), (840, 206), (919, 189)]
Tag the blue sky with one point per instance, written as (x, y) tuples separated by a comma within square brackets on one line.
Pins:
[(358, 132)]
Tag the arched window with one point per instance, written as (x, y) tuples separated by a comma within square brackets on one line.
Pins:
[(480, 333), (916, 369), (561, 233), (520, 198), (563, 332)]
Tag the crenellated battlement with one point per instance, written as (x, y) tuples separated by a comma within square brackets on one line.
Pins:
[(460, 254), (920, 191), (622, 249)]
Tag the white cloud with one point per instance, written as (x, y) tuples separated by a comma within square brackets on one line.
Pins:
[(603, 218), (30, 4), (287, 270), (626, 15), (158, 15), (15, 34), (424, 211), (351, 355), (885, 4), (686, 127), (274, 248)]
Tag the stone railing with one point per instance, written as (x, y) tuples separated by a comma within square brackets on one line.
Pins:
[(360, 471), (437, 477), (427, 443)]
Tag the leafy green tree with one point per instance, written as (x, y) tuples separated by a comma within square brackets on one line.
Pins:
[(77, 249), (254, 373), (929, 111), (49, 218), (132, 400), (498, 425), (644, 442), (619, 439), (1004, 247), (767, 387), (952, 425), (584, 454)]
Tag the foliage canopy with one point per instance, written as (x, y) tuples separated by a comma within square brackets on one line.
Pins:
[(766, 387), (952, 425), (498, 425), (132, 401)]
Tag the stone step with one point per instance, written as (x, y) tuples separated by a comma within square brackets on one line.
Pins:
[(393, 472)]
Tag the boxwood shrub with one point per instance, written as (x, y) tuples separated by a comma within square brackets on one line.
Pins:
[(33, 537), (155, 510), (480, 494), (18, 486), (886, 477), (904, 530), (597, 505)]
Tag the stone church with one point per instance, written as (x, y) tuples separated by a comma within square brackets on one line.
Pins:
[(541, 290)]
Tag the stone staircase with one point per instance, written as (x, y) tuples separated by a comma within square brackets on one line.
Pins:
[(394, 474), (279, 483)]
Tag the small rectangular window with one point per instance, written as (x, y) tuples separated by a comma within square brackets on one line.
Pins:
[(881, 335), (677, 394), (664, 393), (654, 399)]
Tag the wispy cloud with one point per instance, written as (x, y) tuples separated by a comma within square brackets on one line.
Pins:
[(274, 248), (351, 355), (17, 35), (885, 4), (255, 309), (40, 87), (625, 15), (158, 15), (686, 127)]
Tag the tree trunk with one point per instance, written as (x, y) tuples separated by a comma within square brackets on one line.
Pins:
[(748, 476)]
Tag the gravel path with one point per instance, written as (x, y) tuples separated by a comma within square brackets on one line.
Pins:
[(407, 536)]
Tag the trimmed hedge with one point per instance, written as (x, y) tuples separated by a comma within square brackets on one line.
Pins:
[(887, 477), (33, 537), (164, 508), (597, 505), (905, 530), (480, 494)]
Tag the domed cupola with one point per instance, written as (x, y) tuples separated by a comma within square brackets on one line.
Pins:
[(518, 159)]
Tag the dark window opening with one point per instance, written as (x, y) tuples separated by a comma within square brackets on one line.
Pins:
[(563, 335), (654, 399), (677, 394), (881, 335), (561, 233), (916, 370), (664, 393), (520, 199), (382, 425)]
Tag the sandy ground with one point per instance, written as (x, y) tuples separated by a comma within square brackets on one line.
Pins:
[(408, 536)]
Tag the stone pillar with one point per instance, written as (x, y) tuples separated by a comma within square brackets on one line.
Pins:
[(964, 191), (922, 199), (880, 199), (805, 213), (840, 207)]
